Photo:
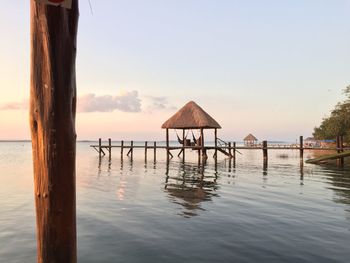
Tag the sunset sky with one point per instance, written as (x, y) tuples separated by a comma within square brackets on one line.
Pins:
[(272, 68)]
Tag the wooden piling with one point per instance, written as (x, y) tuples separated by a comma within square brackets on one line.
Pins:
[(301, 147), (340, 146), (145, 151), (229, 149), (234, 151), (121, 148), (155, 151), (265, 155), (110, 147), (132, 149), (167, 144), (99, 147), (52, 123)]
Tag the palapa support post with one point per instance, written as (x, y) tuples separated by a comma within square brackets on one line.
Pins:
[(301, 147), (216, 143), (265, 156), (52, 123), (146, 151), (204, 153), (183, 145), (167, 144), (154, 151)]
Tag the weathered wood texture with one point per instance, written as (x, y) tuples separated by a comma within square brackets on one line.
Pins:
[(52, 122)]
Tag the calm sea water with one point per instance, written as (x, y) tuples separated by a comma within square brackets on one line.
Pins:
[(132, 211)]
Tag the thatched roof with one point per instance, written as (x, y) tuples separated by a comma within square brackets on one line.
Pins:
[(191, 116), (250, 137)]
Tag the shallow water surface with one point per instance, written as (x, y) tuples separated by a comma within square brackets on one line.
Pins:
[(137, 211)]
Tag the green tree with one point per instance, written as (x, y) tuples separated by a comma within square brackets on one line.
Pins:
[(338, 123)]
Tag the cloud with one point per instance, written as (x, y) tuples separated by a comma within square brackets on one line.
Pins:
[(126, 102), (15, 106), (159, 103)]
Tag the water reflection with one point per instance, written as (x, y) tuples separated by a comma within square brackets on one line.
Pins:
[(189, 187)]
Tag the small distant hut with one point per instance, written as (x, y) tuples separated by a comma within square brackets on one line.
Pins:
[(191, 117), (250, 140)]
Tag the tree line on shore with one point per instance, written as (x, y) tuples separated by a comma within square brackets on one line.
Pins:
[(337, 123)]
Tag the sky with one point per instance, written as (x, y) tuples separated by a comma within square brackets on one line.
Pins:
[(273, 68)]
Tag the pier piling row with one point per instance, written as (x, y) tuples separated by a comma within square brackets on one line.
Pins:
[(230, 149)]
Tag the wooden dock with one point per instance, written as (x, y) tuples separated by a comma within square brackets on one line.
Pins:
[(229, 149)]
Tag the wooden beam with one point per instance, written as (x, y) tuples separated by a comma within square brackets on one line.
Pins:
[(328, 157), (52, 123)]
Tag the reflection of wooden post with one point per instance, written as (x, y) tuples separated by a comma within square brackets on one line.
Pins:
[(301, 147), (265, 156), (52, 123)]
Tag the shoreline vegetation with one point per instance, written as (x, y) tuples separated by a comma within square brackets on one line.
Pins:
[(337, 123)]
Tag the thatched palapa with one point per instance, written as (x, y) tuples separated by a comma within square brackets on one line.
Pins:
[(250, 140), (191, 116)]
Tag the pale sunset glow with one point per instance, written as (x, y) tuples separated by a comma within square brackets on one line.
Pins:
[(268, 67)]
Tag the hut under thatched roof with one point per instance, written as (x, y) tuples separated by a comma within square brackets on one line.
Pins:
[(191, 116), (250, 140)]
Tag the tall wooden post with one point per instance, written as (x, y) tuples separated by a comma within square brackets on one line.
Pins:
[(265, 156), (52, 123), (229, 150), (121, 148), (167, 144), (301, 147)]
